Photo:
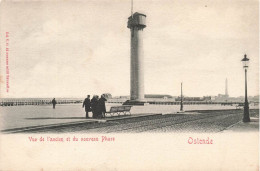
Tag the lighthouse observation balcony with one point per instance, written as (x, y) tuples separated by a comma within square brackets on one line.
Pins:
[(137, 20)]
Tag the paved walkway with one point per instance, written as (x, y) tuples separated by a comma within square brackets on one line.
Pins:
[(76, 123), (199, 122), (252, 126), (27, 116)]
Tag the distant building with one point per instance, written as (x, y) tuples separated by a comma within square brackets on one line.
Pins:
[(222, 98), (158, 96), (107, 95), (204, 98), (207, 98), (213, 98), (189, 98), (124, 97)]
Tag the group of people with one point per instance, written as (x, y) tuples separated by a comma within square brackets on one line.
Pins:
[(96, 105)]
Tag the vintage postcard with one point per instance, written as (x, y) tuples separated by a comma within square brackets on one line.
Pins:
[(115, 85)]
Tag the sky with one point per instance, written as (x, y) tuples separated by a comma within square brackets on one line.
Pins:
[(75, 48)]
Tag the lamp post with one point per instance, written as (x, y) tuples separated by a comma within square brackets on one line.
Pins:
[(246, 117), (181, 100)]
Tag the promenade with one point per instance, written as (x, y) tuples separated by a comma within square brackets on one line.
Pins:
[(252, 126), (197, 121), (27, 116)]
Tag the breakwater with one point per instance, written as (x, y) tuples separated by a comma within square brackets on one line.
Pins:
[(36, 101), (47, 101), (165, 102)]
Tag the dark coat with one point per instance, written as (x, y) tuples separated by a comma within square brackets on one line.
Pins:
[(87, 104), (94, 106), (102, 105), (54, 102)]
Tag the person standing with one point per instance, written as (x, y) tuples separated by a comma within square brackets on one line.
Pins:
[(53, 103), (102, 106), (87, 105), (94, 106)]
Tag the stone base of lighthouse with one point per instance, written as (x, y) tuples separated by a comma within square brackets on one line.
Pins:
[(136, 102)]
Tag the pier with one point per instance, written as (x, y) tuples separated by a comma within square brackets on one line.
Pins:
[(160, 102), (32, 101), (23, 102)]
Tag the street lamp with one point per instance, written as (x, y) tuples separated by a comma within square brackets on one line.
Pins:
[(246, 117), (181, 99)]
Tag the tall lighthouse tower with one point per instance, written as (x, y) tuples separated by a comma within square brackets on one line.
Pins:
[(226, 88), (136, 24)]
